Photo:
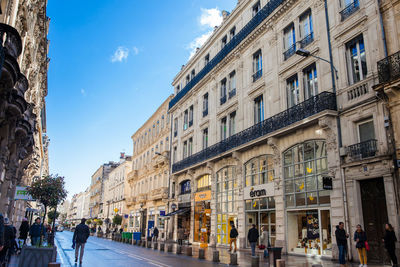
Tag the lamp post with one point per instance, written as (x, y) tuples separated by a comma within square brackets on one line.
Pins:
[(305, 53)]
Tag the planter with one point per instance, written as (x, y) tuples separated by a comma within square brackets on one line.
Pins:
[(37, 257)]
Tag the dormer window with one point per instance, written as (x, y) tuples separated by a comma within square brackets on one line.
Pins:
[(256, 8), (224, 41)]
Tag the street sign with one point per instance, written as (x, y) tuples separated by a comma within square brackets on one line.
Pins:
[(22, 194), (327, 183), (173, 206)]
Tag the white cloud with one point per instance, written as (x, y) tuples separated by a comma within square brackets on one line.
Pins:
[(120, 54), (135, 50), (209, 18), (83, 92)]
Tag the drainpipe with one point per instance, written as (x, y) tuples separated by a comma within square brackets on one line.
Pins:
[(339, 130), (169, 174), (382, 28)]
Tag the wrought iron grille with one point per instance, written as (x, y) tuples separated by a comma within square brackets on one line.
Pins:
[(389, 68), (232, 93), (363, 150), (290, 52), (349, 10), (307, 40), (257, 75), (222, 100), (312, 106), (264, 13)]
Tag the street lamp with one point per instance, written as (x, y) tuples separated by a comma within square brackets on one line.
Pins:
[(305, 53)]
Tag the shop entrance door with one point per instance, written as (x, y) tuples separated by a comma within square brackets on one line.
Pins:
[(375, 216), (262, 219)]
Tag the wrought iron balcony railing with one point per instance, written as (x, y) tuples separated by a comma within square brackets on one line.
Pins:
[(349, 10), (261, 16), (312, 106), (363, 150), (307, 40), (205, 112), (290, 52), (389, 68), (12, 41), (232, 93), (257, 75), (222, 100)]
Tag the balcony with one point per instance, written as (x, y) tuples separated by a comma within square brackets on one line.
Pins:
[(205, 112), (363, 150), (389, 68), (159, 193), (132, 176), (257, 75), (258, 18), (12, 43), (314, 105), (307, 40), (290, 52), (222, 100), (349, 10), (232, 93)]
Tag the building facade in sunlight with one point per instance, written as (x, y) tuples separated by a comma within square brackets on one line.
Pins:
[(266, 132), (23, 141), (146, 193)]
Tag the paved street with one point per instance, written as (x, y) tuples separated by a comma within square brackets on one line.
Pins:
[(101, 252)]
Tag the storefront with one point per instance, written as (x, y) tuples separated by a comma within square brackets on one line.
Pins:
[(184, 207), (226, 203), (309, 230), (202, 216)]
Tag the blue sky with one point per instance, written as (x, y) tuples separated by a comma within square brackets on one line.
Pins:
[(112, 64)]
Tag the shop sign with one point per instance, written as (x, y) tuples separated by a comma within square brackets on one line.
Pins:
[(162, 212), (258, 191), (327, 183), (184, 198), (202, 196), (173, 206), (22, 194)]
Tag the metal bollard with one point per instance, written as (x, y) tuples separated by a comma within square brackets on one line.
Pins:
[(54, 264), (202, 254), (169, 248), (162, 246), (233, 257), (215, 256), (148, 244), (281, 263), (188, 251), (155, 245), (179, 250), (255, 261)]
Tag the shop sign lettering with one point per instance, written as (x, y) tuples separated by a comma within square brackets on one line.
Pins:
[(22, 194), (258, 191)]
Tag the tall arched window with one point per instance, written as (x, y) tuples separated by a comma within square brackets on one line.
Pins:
[(259, 170), (203, 182), (304, 165), (185, 187)]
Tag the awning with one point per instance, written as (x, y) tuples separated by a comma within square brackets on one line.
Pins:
[(180, 211)]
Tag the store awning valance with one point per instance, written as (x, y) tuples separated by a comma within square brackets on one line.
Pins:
[(180, 211)]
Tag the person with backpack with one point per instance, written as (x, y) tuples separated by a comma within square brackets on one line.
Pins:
[(360, 237), (233, 237), (80, 237), (253, 236)]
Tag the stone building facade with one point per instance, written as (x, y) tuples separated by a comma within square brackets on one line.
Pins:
[(147, 189), (23, 142), (275, 123)]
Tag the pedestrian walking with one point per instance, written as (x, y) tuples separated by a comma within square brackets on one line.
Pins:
[(155, 234), (9, 242), (181, 236), (253, 236), (80, 237), (264, 240), (341, 241), (36, 232), (390, 243), (361, 238), (23, 230), (233, 237)]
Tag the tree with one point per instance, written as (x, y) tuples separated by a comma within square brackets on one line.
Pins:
[(49, 191), (117, 219), (53, 213), (88, 221), (98, 221)]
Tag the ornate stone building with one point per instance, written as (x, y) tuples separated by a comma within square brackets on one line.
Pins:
[(275, 123), (23, 88), (147, 189)]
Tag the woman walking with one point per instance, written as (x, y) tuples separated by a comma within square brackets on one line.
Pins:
[(23, 230), (361, 237), (390, 243), (264, 240)]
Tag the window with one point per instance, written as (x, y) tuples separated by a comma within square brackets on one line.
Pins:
[(205, 104), (258, 109), (257, 65), (292, 88), (174, 154), (178, 88), (310, 81), (304, 166), (192, 74), (350, 6), (185, 119), (259, 170), (232, 33), (289, 41), (356, 60), (187, 79), (206, 59), (224, 41), (232, 123), (232, 84), (190, 146), (223, 128), (306, 29), (256, 8), (366, 131), (223, 91), (191, 115), (205, 138), (175, 127), (204, 182), (185, 187), (185, 149)]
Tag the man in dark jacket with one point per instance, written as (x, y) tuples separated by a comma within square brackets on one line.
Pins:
[(252, 236), (9, 241), (80, 237), (36, 231), (341, 241), (233, 237), (155, 234)]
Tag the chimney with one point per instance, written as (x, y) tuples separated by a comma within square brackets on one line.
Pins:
[(225, 14), (122, 155)]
